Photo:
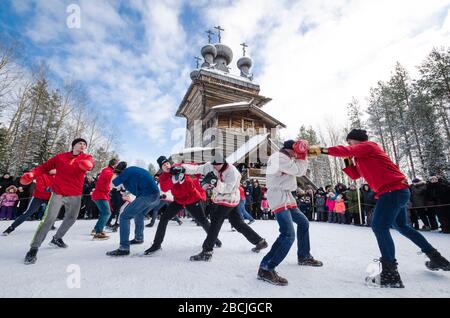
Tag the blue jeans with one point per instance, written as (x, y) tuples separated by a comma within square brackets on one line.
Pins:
[(136, 210), (245, 215), (155, 211), (390, 211), (104, 214), (282, 245)]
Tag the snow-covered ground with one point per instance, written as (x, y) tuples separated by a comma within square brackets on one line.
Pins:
[(345, 250)]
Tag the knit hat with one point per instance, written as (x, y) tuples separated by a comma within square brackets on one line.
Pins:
[(121, 166), (358, 134), (161, 160), (288, 144), (77, 140)]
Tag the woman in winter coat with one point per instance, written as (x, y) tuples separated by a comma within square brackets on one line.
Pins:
[(320, 200), (353, 209), (329, 203)]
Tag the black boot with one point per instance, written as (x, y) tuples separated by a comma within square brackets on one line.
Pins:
[(437, 262), (118, 252), (218, 243), (388, 278), (8, 231), (261, 245), (136, 242), (31, 258), (152, 250), (202, 256), (58, 243)]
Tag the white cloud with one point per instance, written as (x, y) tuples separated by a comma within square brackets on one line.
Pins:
[(312, 74)]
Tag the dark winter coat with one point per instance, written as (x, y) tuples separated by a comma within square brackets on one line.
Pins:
[(257, 194), (352, 197), (418, 192), (4, 183), (368, 199), (437, 193), (320, 202)]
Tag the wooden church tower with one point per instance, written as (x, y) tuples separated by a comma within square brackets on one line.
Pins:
[(224, 112)]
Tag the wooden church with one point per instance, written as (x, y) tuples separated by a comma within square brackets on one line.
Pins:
[(224, 113)]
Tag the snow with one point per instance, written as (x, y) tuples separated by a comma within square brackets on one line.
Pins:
[(347, 252), (247, 147), (193, 149), (244, 103)]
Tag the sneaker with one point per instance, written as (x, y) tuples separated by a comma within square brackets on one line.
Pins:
[(271, 277), (53, 228), (437, 262), (218, 243), (136, 242), (261, 245), (310, 262), (202, 256), (58, 243), (31, 258), (8, 231), (388, 278), (152, 250), (251, 222), (100, 236), (118, 252)]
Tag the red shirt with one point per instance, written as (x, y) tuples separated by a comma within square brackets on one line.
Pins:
[(69, 178), (374, 165), (103, 185), (42, 189), (184, 193)]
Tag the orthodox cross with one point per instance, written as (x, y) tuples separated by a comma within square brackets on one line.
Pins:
[(218, 28), (209, 35), (243, 47)]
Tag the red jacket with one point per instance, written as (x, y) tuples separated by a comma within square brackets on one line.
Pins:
[(103, 185), (242, 193), (42, 189), (374, 165), (69, 178), (185, 193)]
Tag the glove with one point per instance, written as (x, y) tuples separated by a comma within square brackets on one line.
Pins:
[(300, 148), (27, 178), (85, 165), (348, 162), (209, 181), (177, 170), (314, 150)]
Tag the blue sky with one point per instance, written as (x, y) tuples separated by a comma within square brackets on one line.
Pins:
[(134, 57)]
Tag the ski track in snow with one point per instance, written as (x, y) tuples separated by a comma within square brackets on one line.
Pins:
[(346, 251)]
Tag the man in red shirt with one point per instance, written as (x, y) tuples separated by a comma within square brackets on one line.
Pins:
[(100, 196), (366, 159), (67, 190), (41, 195), (187, 193)]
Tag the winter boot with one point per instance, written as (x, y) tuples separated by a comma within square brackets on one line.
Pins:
[(152, 250), (271, 277), (261, 245), (31, 258), (118, 252), (136, 242), (8, 231), (100, 236), (388, 278), (58, 243), (202, 256), (310, 262), (218, 243), (437, 262)]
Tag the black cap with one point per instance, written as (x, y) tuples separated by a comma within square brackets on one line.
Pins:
[(77, 140), (358, 134), (288, 144), (121, 166), (161, 160)]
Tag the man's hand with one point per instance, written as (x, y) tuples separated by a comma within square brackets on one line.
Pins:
[(177, 170), (300, 149), (27, 178)]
